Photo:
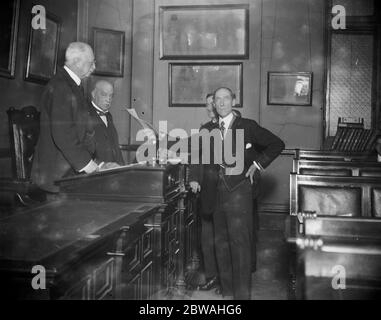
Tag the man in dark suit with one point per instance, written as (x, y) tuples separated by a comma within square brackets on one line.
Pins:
[(207, 228), (106, 137), (229, 196), (65, 144)]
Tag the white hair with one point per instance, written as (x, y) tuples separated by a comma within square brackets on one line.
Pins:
[(76, 50)]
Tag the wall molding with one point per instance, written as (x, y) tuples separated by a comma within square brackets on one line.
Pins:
[(276, 208), (83, 21)]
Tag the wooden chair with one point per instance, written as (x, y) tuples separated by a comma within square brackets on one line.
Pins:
[(24, 129)]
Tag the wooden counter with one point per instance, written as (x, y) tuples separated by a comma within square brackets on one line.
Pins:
[(80, 244), (121, 234)]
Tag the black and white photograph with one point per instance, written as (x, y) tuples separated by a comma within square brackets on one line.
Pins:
[(184, 155), (204, 32), (189, 83), (9, 20), (109, 52), (41, 61)]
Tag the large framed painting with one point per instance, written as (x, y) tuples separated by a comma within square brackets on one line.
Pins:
[(289, 89), (189, 83), (204, 32), (9, 20), (108, 48), (41, 62)]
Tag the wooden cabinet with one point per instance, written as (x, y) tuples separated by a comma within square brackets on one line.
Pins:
[(95, 248)]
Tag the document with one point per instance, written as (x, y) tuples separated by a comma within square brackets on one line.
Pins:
[(145, 124)]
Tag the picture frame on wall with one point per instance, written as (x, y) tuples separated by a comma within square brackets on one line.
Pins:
[(9, 21), (189, 83), (41, 61), (204, 32), (289, 88), (108, 48)]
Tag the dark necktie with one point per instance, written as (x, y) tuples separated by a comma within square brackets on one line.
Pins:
[(105, 114), (222, 128)]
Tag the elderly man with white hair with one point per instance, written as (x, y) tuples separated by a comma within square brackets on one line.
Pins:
[(65, 144), (106, 137)]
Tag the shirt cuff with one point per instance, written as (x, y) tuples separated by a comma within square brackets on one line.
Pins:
[(258, 165), (379, 158), (89, 166)]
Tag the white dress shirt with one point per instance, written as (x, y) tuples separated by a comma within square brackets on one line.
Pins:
[(227, 121), (91, 165), (72, 75), (103, 116)]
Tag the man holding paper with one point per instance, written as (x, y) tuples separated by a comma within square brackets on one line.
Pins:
[(65, 144)]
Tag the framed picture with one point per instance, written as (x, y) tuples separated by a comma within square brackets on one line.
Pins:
[(200, 32), (189, 83), (41, 63), (108, 48), (289, 89), (9, 21)]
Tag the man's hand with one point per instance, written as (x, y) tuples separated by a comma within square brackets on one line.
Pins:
[(250, 173), (90, 168), (195, 186)]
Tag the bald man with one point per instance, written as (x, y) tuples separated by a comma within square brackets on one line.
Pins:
[(65, 146), (106, 137)]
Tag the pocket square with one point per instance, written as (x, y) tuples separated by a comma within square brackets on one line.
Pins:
[(248, 146)]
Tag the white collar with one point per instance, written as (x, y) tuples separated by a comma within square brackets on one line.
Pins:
[(72, 75), (96, 107), (227, 120)]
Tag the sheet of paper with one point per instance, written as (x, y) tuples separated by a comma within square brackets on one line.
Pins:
[(143, 123)]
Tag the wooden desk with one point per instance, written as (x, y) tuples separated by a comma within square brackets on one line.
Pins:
[(126, 233), (323, 155), (83, 246), (325, 243), (337, 168), (332, 195)]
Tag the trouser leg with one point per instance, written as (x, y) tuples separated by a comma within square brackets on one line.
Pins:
[(239, 219), (208, 247), (222, 246)]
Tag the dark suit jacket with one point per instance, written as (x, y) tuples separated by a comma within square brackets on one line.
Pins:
[(65, 144), (265, 147), (106, 138)]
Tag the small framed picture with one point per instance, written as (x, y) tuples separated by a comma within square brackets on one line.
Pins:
[(289, 89), (108, 48), (9, 22), (189, 83), (41, 63), (204, 32)]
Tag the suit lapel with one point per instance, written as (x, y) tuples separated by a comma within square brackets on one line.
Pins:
[(99, 122), (235, 124), (76, 89)]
